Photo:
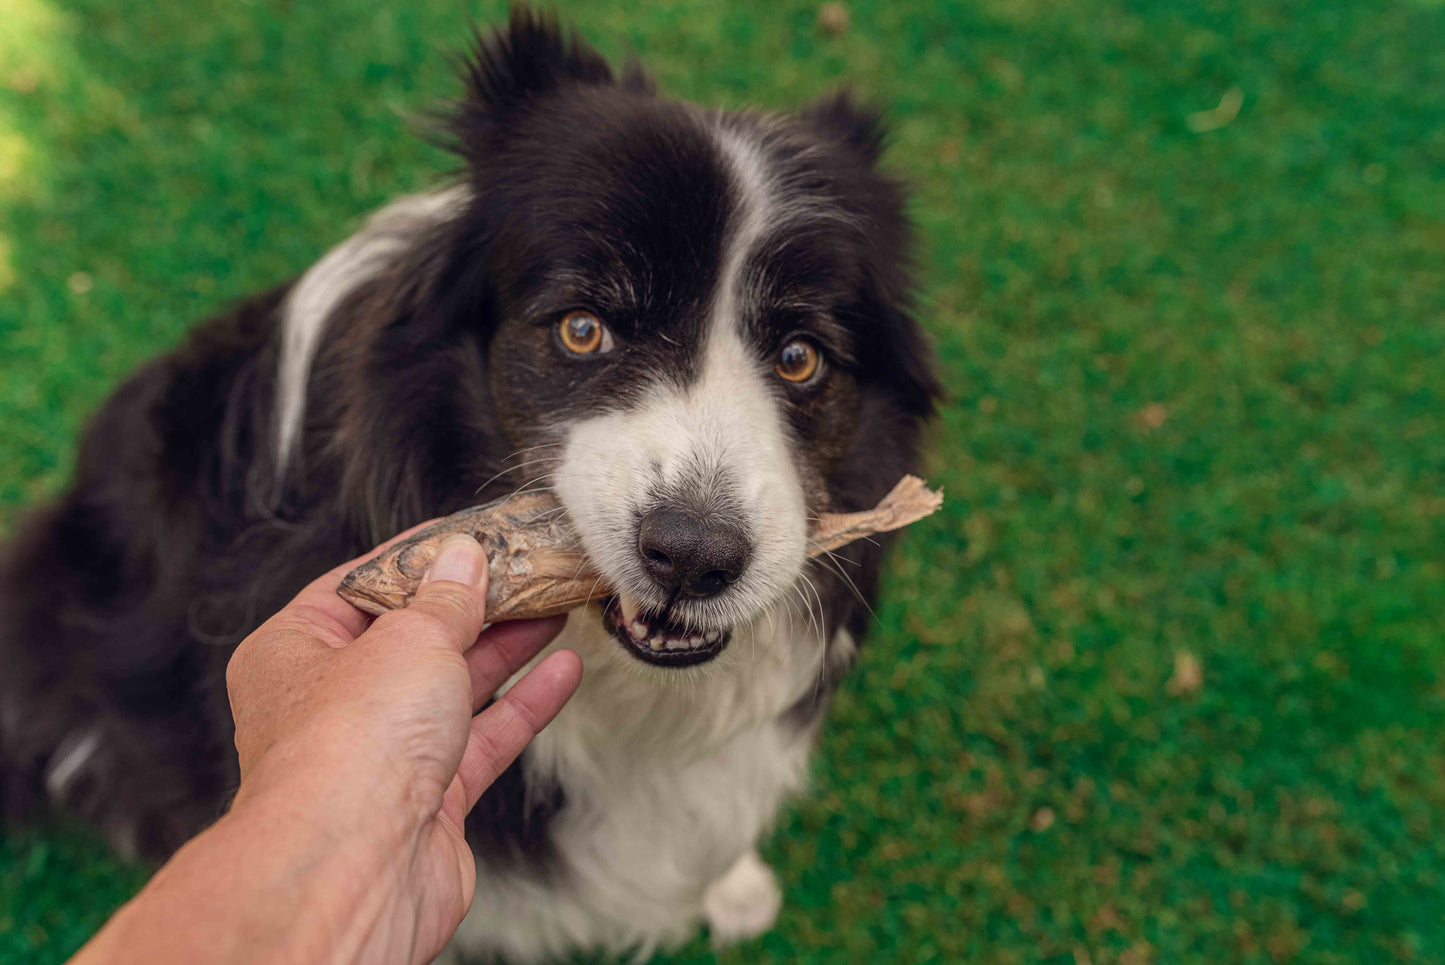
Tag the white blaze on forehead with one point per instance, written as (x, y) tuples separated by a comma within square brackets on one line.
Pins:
[(720, 439), (386, 237), (756, 207)]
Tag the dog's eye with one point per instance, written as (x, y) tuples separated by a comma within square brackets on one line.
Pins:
[(583, 333), (798, 360)]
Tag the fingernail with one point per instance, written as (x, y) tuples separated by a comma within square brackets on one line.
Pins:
[(459, 560)]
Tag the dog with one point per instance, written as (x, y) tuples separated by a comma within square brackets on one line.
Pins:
[(693, 326)]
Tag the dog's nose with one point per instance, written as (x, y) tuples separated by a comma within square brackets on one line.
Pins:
[(682, 551)]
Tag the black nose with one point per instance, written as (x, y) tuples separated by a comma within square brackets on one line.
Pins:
[(682, 551)]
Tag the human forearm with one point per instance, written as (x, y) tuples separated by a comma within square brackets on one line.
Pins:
[(264, 884)]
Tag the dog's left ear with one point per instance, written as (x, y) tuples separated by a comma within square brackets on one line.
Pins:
[(528, 58), (511, 69), (842, 117)]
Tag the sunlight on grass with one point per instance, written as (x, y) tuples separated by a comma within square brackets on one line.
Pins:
[(31, 31)]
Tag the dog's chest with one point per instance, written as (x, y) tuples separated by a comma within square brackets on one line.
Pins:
[(662, 830), (689, 769), (667, 782)]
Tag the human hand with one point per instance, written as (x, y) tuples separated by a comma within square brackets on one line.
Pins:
[(372, 727), (360, 758)]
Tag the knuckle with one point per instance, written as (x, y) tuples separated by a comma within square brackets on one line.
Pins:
[(457, 606), (436, 616), (523, 714), (495, 753), (393, 621), (429, 622), (492, 754), (238, 665)]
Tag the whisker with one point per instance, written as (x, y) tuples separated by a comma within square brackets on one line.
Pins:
[(508, 458), (849, 581), (822, 634)]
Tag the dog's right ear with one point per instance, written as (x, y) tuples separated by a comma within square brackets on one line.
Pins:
[(511, 68), (842, 117)]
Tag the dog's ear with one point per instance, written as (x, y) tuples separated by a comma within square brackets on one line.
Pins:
[(842, 117), (901, 353), (512, 67)]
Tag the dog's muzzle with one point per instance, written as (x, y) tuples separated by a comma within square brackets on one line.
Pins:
[(691, 556)]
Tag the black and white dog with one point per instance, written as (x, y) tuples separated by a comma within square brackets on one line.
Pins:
[(692, 325)]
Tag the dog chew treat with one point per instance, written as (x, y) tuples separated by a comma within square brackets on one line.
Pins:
[(538, 567)]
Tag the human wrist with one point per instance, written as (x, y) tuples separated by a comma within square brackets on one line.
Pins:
[(255, 887), (306, 890)]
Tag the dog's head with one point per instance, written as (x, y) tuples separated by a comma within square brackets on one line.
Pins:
[(690, 323)]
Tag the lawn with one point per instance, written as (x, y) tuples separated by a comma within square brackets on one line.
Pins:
[(1162, 683)]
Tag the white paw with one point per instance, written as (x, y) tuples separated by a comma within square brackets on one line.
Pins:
[(743, 903)]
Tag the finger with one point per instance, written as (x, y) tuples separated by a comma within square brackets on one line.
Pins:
[(338, 621), (451, 602), (504, 729), (505, 648)]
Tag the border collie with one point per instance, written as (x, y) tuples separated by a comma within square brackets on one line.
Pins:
[(693, 325)]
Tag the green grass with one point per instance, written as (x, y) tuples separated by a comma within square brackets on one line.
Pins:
[(1196, 409)]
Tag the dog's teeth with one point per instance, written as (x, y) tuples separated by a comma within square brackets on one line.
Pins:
[(628, 606), (639, 630), (655, 643), (694, 641), (713, 636)]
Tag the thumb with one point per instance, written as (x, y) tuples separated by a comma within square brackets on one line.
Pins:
[(452, 596)]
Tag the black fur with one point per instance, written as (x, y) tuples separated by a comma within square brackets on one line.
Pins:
[(120, 604)]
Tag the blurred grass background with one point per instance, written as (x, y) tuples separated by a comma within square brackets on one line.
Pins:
[(1162, 683)]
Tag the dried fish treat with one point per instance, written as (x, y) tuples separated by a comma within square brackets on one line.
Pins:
[(538, 567)]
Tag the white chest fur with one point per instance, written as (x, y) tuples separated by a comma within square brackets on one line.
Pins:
[(669, 777)]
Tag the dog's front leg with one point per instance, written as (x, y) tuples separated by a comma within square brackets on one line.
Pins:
[(743, 903)]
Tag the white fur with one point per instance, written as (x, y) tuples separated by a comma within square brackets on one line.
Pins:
[(387, 235), (69, 762), (743, 903), (670, 778)]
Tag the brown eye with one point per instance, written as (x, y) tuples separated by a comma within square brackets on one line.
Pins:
[(583, 333), (798, 360)]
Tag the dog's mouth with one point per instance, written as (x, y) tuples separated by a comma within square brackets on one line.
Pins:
[(656, 640)]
